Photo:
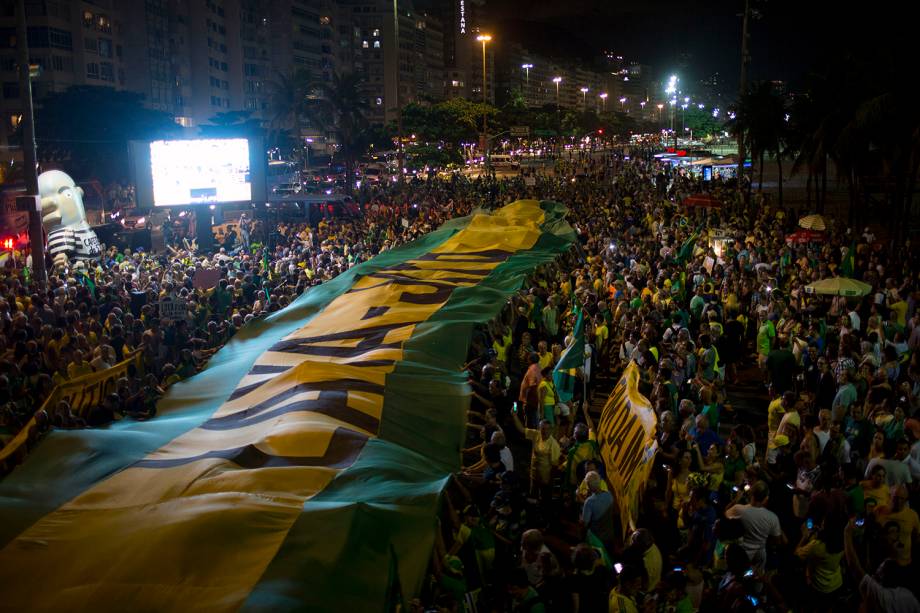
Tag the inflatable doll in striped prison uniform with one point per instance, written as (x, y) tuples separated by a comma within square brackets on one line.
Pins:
[(69, 235)]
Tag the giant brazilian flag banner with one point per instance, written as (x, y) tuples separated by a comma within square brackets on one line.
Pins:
[(302, 469)]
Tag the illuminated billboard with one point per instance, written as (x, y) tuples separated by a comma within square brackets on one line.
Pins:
[(200, 171)]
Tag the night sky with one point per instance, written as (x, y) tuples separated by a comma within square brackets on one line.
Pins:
[(790, 39)]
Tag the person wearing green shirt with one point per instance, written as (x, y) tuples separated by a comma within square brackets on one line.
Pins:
[(697, 303), (524, 599), (551, 318), (765, 336)]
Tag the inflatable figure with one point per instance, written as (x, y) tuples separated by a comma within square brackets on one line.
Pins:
[(69, 235)]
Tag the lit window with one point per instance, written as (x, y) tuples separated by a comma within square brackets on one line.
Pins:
[(324, 20), (364, 45), (376, 44), (376, 32), (379, 101)]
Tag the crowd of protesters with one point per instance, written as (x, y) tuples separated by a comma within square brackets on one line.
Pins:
[(801, 501)]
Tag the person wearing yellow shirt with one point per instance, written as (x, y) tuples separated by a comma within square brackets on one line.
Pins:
[(900, 310), (775, 411), (78, 366), (623, 597), (546, 357), (601, 333)]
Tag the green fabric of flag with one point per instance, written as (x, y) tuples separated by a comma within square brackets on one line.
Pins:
[(564, 376), (849, 260), (599, 546), (303, 469), (686, 250), (86, 281)]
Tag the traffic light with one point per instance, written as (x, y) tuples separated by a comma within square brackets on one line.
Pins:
[(7, 243), (600, 130)]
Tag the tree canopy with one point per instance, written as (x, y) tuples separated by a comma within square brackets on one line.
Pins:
[(86, 130)]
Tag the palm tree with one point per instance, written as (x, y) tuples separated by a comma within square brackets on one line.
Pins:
[(288, 95), (761, 113), (337, 107)]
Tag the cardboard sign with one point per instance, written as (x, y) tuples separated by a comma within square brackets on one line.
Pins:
[(172, 309), (206, 278)]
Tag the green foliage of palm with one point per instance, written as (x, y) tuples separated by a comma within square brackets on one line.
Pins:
[(337, 107), (288, 100)]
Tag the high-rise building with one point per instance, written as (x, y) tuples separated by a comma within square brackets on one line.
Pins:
[(416, 66), (72, 42), (149, 53), (306, 36)]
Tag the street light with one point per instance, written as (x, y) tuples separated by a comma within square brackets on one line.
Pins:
[(672, 85), (584, 97), (527, 68), (484, 38), (557, 81), (622, 103), (603, 97)]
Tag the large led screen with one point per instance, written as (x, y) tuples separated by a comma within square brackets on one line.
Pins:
[(200, 171)]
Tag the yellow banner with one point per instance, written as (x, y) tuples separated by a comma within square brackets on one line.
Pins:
[(627, 437), (83, 393), (194, 524)]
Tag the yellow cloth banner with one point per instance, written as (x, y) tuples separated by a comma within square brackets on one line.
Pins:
[(627, 437), (83, 393), (194, 525)]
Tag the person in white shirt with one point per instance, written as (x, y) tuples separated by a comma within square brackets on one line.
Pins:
[(855, 320), (883, 591), (761, 525), (896, 470), (498, 438)]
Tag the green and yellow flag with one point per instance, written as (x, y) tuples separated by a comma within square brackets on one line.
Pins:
[(565, 375), (297, 468), (626, 434)]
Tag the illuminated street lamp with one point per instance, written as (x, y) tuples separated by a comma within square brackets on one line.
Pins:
[(584, 97), (484, 38), (557, 81), (622, 103), (527, 68), (672, 85), (603, 98)]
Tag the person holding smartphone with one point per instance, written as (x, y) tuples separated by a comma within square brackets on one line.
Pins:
[(821, 549)]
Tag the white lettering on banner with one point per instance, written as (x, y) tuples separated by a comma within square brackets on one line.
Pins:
[(463, 16), (173, 309)]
